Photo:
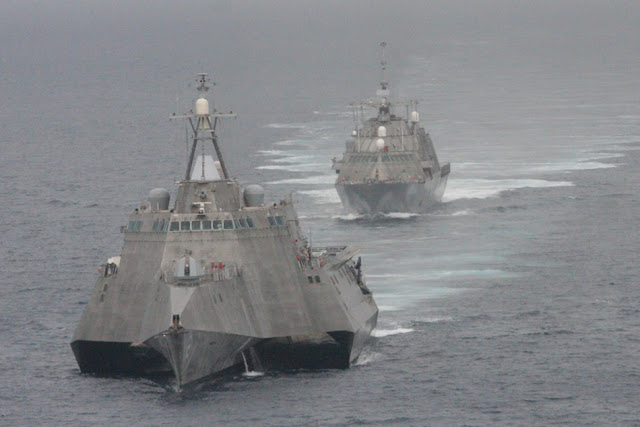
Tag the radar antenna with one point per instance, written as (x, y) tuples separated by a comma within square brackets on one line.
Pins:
[(201, 125)]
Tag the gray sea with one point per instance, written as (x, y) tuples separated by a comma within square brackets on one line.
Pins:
[(514, 302)]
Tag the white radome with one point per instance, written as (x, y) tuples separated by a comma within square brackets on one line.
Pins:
[(202, 107), (380, 143)]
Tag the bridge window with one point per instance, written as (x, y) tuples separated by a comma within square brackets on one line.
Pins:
[(228, 224), (317, 279), (243, 223), (310, 279), (272, 221), (175, 226), (280, 220), (250, 222), (195, 225), (206, 224), (185, 225), (134, 225)]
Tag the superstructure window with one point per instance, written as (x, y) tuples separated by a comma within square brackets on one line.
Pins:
[(135, 225), (175, 226), (217, 224), (185, 225), (206, 224), (250, 222), (243, 223), (280, 220), (228, 224), (165, 225), (195, 225), (236, 222), (272, 221)]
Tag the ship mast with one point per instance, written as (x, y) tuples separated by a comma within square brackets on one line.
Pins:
[(383, 64), (203, 129)]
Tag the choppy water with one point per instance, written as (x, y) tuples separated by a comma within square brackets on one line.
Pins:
[(515, 302)]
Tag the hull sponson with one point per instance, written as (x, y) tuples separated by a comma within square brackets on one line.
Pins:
[(370, 198), (118, 358)]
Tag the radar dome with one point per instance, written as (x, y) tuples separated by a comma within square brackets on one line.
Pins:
[(380, 143), (415, 117), (253, 196), (354, 133), (159, 199), (202, 107), (382, 131)]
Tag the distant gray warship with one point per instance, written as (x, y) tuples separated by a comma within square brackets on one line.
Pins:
[(390, 164), (221, 280)]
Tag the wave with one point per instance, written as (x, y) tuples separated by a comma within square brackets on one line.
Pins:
[(574, 166), (290, 142), (392, 215), (271, 152), (297, 167), (328, 196), (310, 180), (435, 319), (286, 126), (388, 308), (381, 333), (485, 188), (366, 358)]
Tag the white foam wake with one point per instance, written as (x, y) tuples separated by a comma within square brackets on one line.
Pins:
[(328, 196), (299, 167), (393, 215), (380, 333), (484, 188), (310, 180)]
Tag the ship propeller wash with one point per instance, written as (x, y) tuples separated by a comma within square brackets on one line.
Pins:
[(221, 280), (390, 164)]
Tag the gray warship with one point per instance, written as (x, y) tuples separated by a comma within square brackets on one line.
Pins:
[(390, 164), (221, 280)]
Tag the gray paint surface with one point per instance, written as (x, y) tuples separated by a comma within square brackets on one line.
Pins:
[(199, 295), (390, 163)]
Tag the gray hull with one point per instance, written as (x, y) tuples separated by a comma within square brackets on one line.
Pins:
[(371, 198)]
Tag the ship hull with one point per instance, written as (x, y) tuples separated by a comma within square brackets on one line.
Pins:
[(193, 356), (380, 197)]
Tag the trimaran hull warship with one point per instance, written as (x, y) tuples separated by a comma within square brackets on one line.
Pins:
[(390, 164), (220, 280)]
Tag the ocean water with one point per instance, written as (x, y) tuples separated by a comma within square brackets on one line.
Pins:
[(514, 302)]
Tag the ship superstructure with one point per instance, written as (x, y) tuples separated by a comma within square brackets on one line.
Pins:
[(390, 163), (221, 278)]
